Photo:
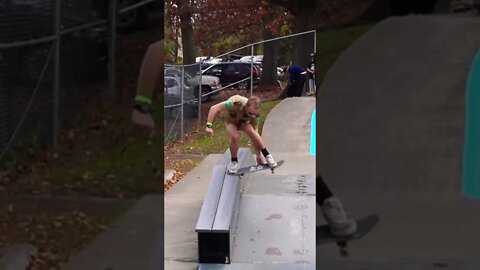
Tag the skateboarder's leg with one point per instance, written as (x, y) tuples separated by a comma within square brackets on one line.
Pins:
[(255, 138), (257, 141), (259, 156), (234, 135), (341, 225), (322, 191)]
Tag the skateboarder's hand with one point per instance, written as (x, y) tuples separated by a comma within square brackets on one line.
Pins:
[(145, 122), (209, 130)]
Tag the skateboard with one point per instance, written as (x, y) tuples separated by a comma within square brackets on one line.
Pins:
[(364, 226), (256, 168)]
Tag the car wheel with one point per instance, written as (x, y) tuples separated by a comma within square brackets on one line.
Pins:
[(243, 85), (205, 89)]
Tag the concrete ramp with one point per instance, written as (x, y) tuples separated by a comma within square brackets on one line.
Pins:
[(287, 127), (390, 136)]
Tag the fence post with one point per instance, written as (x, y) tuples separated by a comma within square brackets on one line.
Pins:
[(182, 128), (200, 92), (165, 111), (251, 72), (56, 75), (111, 49)]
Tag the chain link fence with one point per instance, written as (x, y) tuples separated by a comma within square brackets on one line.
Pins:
[(55, 56), (182, 107)]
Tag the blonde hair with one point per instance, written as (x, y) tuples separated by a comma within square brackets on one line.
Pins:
[(254, 101)]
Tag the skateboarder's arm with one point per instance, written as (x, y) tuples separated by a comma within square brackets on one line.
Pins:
[(214, 110), (151, 73), (149, 78)]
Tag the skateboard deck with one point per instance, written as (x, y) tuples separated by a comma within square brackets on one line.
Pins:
[(257, 168), (364, 226)]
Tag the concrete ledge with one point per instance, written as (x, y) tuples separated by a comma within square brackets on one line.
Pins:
[(217, 220)]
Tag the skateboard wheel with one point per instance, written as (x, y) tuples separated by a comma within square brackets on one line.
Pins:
[(343, 252)]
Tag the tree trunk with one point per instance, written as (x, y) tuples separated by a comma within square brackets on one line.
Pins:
[(187, 40), (270, 61), (187, 36), (303, 45), (304, 12), (176, 47)]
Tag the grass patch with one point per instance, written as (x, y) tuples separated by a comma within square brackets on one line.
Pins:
[(331, 43), (199, 142)]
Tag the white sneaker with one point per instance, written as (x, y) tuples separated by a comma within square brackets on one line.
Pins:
[(270, 161), (341, 225), (233, 167)]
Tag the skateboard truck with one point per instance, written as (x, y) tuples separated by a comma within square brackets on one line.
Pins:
[(278, 165), (365, 225), (343, 245)]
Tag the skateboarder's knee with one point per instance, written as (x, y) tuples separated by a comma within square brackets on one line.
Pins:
[(235, 136), (250, 131)]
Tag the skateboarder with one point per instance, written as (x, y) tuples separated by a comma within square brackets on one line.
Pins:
[(241, 114), (340, 224)]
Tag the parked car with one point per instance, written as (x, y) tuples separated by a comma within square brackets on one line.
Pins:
[(206, 63), (224, 58), (213, 60), (248, 59), (173, 99), (231, 57), (260, 66), (209, 84), (200, 58), (233, 72)]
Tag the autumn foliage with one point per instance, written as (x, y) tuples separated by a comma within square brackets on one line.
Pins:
[(222, 25)]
